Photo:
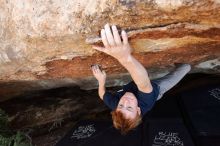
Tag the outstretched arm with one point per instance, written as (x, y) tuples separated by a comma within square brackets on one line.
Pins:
[(100, 75), (121, 50)]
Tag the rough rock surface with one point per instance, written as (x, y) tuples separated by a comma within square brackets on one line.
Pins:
[(47, 43)]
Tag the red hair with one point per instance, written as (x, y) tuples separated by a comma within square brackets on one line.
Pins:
[(124, 124)]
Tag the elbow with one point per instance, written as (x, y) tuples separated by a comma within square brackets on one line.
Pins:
[(146, 88)]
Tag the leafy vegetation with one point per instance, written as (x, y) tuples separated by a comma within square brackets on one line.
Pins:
[(8, 137)]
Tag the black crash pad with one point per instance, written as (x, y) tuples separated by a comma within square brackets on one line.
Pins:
[(157, 133), (168, 132), (102, 133), (201, 108)]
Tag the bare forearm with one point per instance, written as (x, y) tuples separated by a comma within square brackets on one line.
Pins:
[(138, 73), (101, 90), (121, 50), (100, 75)]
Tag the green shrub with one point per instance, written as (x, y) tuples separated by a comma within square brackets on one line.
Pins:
[(8, 137)]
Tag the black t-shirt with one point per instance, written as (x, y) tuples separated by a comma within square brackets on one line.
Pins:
[(145, 100)]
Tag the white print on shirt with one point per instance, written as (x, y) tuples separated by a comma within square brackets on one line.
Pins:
[(215, 93), (84, 131), (167, 139)]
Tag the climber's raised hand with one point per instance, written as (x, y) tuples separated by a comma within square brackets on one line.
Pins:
[(99, 74), (113, 44)]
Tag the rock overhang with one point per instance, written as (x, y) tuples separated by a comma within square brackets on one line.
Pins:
[(48, 44)]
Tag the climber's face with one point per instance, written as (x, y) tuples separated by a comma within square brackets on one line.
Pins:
[(128, 105)]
